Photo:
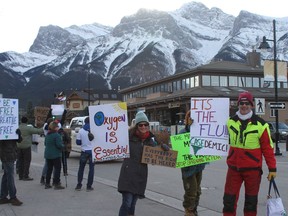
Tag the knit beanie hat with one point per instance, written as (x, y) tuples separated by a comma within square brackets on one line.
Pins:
[(53, 125), (141, 117), (245, 96), (24, 119)]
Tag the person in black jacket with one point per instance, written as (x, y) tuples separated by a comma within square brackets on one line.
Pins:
[(133, 175), (8, 156)]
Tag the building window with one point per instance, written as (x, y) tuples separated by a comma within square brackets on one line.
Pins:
[(76, 105), (187, 83), (150, 90), (114, 96), (174, 86), (192, 82), (214, 80), (233, 81), (105, 96), (96, 95), (206, 80), (158, 88), (196, 81), (256, 83), (241, 81), (183, 84), (179, 85), (248, 82), (223, 81), (166, 87)]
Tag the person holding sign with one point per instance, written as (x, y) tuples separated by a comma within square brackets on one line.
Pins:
[(133, 175), (250, 139), (24, 148), (84, 138), (191, 177), (8, 156)]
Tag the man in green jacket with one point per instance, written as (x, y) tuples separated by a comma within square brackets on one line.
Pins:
[(24, 148)]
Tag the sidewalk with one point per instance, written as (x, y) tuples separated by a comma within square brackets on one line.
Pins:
[(103, 201)]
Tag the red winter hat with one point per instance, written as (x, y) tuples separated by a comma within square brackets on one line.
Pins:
[(245, 96)]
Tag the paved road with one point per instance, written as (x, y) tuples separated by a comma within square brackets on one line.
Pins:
[(164, 191)]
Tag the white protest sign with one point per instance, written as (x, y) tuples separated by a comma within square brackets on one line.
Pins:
[(208, 133), (57, 109), (109, 125), (9, 118)]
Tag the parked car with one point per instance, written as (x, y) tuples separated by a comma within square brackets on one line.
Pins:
[(75, 125), (77, 122), (74, 146), (282, 128)]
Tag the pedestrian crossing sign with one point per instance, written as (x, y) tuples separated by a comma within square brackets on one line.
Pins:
[(259, 106)]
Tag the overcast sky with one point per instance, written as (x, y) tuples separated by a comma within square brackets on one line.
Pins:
[(20, 19)]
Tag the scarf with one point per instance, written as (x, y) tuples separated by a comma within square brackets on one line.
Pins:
[(244, 121), (244, 117), (141, 135)]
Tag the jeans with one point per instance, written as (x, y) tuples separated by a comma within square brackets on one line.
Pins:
[(84, 157), (8, 183), (128, 204)]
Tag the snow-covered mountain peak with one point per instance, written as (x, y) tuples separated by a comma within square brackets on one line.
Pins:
[(146, 46), (90, 30), (196, 12), (21, 62)]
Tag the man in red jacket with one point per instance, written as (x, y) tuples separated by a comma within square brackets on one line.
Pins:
[(249, 139)]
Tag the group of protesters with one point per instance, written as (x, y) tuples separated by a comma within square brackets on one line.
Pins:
[(57, 149), (249, 139)]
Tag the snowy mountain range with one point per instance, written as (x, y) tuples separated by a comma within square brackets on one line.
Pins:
[(143, 47)]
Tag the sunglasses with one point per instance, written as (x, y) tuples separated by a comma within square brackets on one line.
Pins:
[(244, 103), (141, 125)]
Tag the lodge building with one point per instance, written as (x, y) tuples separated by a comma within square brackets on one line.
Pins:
[(168, 99)]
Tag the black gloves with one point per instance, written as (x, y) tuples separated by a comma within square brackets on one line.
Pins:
[(18, 131), (90, 136), (19, 135)]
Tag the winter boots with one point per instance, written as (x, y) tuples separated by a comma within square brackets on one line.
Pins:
[(58, 187), (15, 202)]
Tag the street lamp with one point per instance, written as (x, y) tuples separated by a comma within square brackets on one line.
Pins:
[(265, 45)]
